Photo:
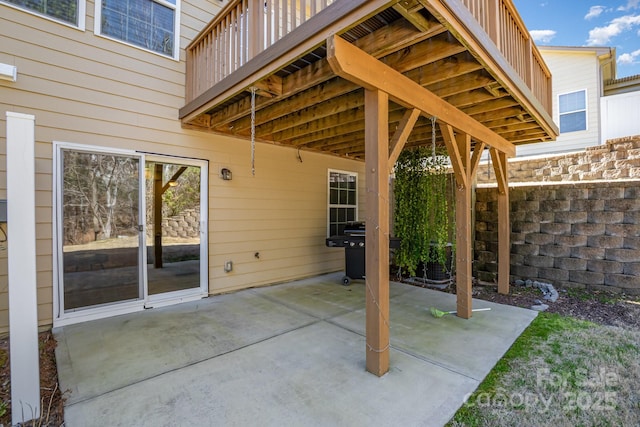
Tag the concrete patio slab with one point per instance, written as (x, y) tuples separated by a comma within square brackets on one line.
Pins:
[(290, 354)]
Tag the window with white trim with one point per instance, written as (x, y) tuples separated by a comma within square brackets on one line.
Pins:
[(149, 24), (343, 201), (573, 111), (67, 11)]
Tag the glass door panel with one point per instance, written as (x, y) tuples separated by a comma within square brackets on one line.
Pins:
[(100, 230), (173, 193)]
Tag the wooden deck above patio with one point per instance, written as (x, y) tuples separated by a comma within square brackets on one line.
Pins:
[(476, 55), (356, 77)]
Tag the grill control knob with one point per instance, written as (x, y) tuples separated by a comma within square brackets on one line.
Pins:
[(352, 244), (361, 244)]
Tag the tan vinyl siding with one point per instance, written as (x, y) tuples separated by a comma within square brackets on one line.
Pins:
[(91, 90)]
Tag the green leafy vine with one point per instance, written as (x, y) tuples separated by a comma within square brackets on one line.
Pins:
[(422, 218)]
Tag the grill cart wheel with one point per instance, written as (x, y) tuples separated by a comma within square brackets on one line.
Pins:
[(346, 280)]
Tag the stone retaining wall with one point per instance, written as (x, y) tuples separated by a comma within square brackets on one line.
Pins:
[(572, 234), (186, 224), (617, 159)]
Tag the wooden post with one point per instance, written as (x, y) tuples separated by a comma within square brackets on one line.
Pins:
[(463, 232), (500, 166), (377, 231)]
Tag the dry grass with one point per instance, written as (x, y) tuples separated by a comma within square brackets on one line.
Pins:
[(561, 372), (52, 403)]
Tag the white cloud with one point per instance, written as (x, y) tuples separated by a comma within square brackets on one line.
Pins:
[(629, 58), (542, 36), (594, 12), (631, 4), (600, 36)]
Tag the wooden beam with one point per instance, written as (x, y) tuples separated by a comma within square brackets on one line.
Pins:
[(455, 155), (500, 166), (475, 158), (355, 65), (173, 179), (377, 232), (401, 135)]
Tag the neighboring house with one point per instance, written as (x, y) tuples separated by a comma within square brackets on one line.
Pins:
[(578, 85), (590, 105), (620, 108)]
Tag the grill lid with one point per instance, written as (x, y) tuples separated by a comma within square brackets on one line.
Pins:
[(354, 228)]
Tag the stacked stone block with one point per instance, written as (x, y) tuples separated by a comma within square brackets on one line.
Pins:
[(184, 225), (583, 235), (617, 159)]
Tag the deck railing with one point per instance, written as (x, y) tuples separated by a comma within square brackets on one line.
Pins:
[(244, 28), (503, 24), (241, 30)]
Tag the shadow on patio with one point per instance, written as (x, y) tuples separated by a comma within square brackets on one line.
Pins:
[(290, 354)]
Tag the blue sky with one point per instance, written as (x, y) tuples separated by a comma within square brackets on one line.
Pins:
[(609, 23)]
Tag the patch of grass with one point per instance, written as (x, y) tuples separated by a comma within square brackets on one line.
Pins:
[(563, 372)]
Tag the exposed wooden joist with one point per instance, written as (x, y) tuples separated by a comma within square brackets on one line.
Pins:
[(394, 37), (415, 56), (339, 16), (352, 63)]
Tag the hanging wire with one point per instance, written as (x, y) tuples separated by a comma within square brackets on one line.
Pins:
[(253, 130), (433, 138)]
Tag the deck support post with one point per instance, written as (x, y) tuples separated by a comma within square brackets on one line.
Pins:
[(500, 166), (377, 231)]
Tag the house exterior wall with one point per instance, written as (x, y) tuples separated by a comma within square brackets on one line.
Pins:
[(620, 115), (91, 90), (572, 71)]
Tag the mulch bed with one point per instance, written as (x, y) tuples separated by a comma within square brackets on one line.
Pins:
[(52, 400), (595, 306), (605, 308)]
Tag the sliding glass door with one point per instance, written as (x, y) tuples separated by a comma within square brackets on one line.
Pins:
[(131, 229)]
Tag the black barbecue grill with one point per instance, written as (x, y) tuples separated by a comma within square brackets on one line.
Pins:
[(353, 243)]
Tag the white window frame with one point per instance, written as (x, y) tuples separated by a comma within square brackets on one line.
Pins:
[(82, 13), (586, 110), (339, 205), (97, 29), (62, 318)]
